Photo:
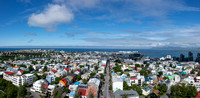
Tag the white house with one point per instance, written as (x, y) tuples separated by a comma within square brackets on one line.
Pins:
[(37, 85), (117, 83), (177, 78), (19, 80)]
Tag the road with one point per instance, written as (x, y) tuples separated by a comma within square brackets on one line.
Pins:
[(167, 95), (33, 94), (107, 84)]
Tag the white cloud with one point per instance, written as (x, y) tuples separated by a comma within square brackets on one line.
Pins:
[(52, 16)]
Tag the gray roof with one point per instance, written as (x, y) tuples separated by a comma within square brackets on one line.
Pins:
[(130, 93)]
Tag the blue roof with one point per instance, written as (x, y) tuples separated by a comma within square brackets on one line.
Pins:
[(77, 83), (148, 78), (72, 94)]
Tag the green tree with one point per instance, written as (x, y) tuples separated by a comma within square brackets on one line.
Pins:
[(162, 88), (92, 74), (165, 78), (22, 65), (183, 91), (43, 89), (42, 62), (67, 90), (84, 81), (198, 73), (45, 68), (57, 93), (176, 73), (30, 68), (160, 73), (28, 95), (125, 86), (124, 96), (96, 67), (78, 77), (102, 76), (136, 65), (22, 91), (118, 61), (25, 84), (137, 88)]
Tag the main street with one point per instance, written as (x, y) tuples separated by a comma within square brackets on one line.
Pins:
[(107, 83)]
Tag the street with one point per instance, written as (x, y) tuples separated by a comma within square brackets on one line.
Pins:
[(106, 85)]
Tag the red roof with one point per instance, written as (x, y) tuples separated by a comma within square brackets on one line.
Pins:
[(82, 92), (64, 80), (133, 78), (21, 71), (45, 86), (44, 73), (103, 65), (54, 71), (67, 69), (16, 67), (9, 73), (160, 78), (132, 67), (198, 95)]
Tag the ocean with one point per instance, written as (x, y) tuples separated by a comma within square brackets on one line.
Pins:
[(153, 53)]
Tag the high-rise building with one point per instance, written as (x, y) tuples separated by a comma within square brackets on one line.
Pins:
[(182, 58), (190, 56), (198, 57)]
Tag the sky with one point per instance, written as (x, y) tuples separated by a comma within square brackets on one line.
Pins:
[(104, 23)]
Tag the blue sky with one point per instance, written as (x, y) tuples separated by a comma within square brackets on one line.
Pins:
[(120, 23)]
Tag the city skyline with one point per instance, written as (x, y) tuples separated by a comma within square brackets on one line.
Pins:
[(115, 23)]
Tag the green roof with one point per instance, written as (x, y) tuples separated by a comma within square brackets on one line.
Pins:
[(170, 77), (115, 89)]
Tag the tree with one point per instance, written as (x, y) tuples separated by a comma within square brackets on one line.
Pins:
[(22, 91), (128, 75), (84, 81), (125, 86), (118, 61), (96, 68), (43, 76), (78, 77), (45, 68), (34, 62), (25, 84), (137, 88), (22, 65), (28, 95), (43, 89), (170, 65), (57, 93), (160, 73), (183, 91), (42, 62), (136, 65), (92, 74), (102, 76), (30, 68), (124, 96), (162, 88), (198, 73), (78, 95), (176, 73), (165, 78), (67, 90)]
